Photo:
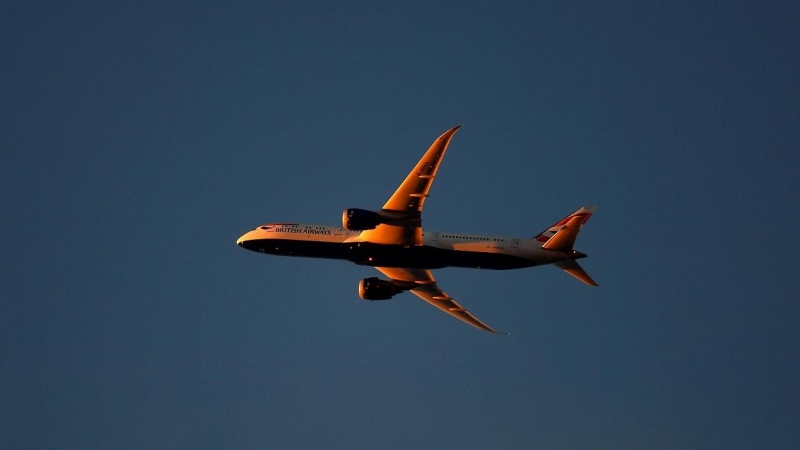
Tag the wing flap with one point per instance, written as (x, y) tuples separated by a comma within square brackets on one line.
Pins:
[(407, 200), (421, 283), (432, 294), (414, 189), (409, 197)]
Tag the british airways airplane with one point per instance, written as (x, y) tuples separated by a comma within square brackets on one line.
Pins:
[(392, 241)]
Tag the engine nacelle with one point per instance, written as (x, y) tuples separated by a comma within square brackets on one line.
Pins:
[(360, 219), (376, 289)]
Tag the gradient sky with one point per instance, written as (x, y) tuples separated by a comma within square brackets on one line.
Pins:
[(141, 139)]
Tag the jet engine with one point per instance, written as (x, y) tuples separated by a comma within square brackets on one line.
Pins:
[(360, 219), (376, 289)]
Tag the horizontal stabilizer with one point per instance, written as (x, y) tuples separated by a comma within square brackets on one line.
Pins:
[(574, 269)]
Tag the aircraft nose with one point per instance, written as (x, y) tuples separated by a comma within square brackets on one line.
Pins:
[(247, 239)]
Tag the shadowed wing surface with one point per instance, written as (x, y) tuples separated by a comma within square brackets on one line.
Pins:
[(408, 199), (421, 283)]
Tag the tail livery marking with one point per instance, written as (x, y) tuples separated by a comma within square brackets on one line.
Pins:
[(584, 214)]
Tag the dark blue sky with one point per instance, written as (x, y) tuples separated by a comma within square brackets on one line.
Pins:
[(139, 140)]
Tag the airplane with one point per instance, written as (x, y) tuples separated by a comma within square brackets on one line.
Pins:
[(392, 241)]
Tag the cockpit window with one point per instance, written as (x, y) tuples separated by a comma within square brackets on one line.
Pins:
[(273, 226)]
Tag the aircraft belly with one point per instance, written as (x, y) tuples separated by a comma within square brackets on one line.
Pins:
[(426, 257), (381, 255), (486, 260), (307, 249)]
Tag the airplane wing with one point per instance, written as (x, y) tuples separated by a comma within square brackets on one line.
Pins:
[(420, 282), (408, 199)]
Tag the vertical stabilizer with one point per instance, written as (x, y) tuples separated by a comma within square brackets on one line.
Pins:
[(574, 220), (564, 238)]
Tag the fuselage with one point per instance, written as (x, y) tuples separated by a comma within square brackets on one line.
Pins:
[(438, 249)]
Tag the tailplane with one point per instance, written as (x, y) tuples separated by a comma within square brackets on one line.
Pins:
[(575, 269)]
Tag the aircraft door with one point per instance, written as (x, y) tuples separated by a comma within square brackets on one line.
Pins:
[(434, 240), (514, 244)]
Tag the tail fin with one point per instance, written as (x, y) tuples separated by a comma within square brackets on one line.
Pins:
[(561, 237), (553, 239)]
